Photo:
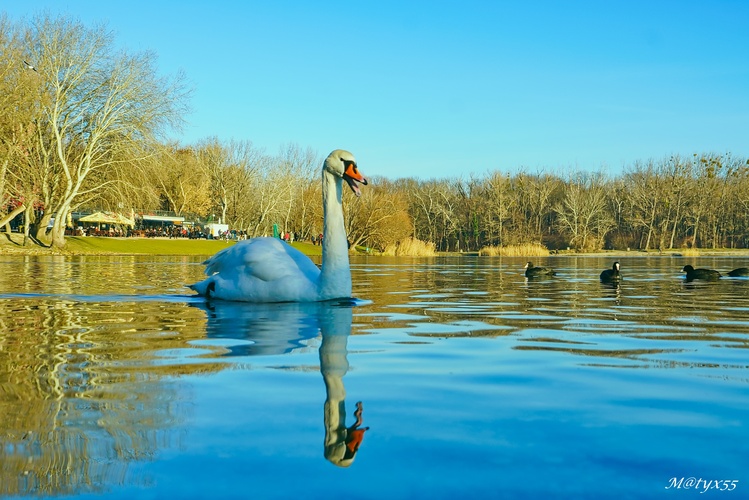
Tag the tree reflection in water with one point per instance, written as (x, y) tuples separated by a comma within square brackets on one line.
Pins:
[(86, 388), (75, 411)]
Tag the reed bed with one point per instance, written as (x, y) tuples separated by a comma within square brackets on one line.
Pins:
[(411, 247), (689, 252), (525, 250)]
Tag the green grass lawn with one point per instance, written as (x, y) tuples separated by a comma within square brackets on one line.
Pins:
[(151, 246)]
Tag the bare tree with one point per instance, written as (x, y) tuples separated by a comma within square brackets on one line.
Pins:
[(378, 218), (263, 206), (422, 200), (101, 105), (677, 172), (184, 186), (499, 203), (299, 167), (217, 160), (647, 199), (706, 202), (583, 212), (212, 158), (532, 214), (18, 108)]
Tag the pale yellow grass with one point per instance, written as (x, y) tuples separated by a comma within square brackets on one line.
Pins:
[(689, 252), (525, 250), (411, 247)]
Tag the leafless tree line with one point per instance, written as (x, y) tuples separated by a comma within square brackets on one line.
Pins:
[(697, 201), (78, 118), (83, 126)]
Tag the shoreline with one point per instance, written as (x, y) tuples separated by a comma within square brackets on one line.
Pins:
[(93, 245), (676, 252), (96, 245)]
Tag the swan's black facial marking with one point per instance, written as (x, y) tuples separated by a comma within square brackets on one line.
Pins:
[(211, 289)]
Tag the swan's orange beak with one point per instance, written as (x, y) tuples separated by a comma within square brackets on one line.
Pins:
[(353, 177)]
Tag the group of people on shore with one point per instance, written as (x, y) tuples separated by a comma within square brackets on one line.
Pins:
[(291, 236), (171, 232), (150, 232)]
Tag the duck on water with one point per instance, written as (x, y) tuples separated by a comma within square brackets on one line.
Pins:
[(741, 271), (711, 274), (611, 275), (532, 271), (700, 274)]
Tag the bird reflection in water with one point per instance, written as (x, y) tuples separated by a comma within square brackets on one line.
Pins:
[(341, 442), (279, 328)]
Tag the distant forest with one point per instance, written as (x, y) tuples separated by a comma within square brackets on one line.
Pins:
[(697, 201), (83, 127)]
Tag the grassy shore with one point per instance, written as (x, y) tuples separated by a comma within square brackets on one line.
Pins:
[(79, 245)]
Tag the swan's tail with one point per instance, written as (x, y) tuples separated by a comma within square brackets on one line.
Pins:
[(206, 287)]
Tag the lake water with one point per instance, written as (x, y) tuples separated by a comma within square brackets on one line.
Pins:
[(116, 382)]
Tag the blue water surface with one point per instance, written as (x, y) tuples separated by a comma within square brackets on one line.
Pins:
[(474, 382)]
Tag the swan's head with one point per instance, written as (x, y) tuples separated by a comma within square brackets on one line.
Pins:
[(343, 164)]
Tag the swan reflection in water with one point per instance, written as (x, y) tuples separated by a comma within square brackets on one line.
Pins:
[(278, 328)]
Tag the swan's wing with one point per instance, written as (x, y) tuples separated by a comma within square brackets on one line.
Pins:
[(271, 259), (266, 259)]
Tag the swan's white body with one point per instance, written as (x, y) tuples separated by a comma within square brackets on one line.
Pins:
[(269, 270)]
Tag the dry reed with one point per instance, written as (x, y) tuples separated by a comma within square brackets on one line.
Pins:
[(524, 250), (689, 252), (411, 247)]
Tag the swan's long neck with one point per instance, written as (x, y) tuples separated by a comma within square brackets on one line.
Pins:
[(335, 278)]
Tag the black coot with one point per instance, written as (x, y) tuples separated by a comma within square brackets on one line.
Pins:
[(700, 274), (611, 275), (532, 272), (741, 271)]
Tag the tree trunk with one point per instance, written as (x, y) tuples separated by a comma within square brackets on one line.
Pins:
[(694, 237), (676, 223), (40, 228), (58, 235), (26, 223), (5, 221), (650, 225), (58, 228)]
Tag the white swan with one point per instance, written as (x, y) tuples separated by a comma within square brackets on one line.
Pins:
[(269, 270)]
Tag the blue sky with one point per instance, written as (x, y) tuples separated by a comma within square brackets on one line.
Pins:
[(433, 89)]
